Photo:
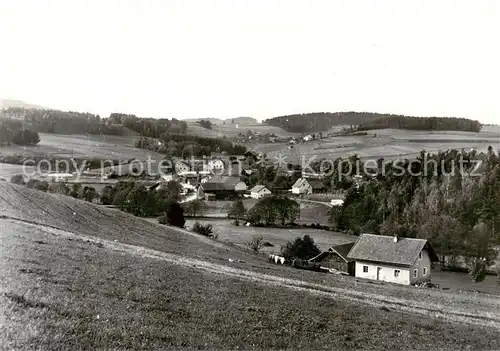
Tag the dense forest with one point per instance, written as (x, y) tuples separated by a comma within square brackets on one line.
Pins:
[(422, 123), (451, 198), (322, 121), (70, 122), (13, 132), (182, 145)]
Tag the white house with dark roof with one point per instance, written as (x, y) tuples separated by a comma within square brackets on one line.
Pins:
[(389, 258), (301, 186), (259, 191)]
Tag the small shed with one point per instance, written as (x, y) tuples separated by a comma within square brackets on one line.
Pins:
[(336, 258)]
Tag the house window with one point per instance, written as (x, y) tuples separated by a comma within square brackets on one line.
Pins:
[(420, 256), (396, 273), (424, 271), (415, 273), (365, 269)]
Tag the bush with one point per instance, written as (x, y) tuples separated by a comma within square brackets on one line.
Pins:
[(205, 230), (18, 179), (38, 184), (173, 215), (302, 248), (26, 137), (255, 244)]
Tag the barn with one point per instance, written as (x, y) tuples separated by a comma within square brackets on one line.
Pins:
[(335, 258)]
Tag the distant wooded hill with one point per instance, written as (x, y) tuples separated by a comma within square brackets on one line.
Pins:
[(322, 121), (219, 121), (423, 123), (8, 103), (70, 122)]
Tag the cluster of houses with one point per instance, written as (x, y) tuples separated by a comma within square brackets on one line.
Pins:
[(404, 261)]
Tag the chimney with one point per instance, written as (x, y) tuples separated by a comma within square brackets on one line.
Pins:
[(395, 238)]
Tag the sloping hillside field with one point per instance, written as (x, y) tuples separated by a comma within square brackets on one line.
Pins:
[(74, 275)]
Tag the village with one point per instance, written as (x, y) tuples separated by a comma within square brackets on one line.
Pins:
[(223, 178)]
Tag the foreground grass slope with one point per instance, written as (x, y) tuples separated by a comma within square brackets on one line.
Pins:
[(61, 290)]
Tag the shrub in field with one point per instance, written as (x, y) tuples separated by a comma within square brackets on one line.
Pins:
[(18, 179), (302, 248), (59, 188), (38, 184), (236, 211), (205, 230), (26, 137), (255, 244), (173, 215)]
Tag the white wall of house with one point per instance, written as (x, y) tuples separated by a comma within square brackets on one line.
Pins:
[(181, 167), (215, 165), (421, 269), (240, 186), (304, 188), (258, 195), (385, 272)]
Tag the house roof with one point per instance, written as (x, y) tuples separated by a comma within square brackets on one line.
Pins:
[(218, 183), (257, 188), (383, 249), (299, 182), (341, 250), (316, 184)]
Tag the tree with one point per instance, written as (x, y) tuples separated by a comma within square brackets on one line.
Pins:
[(59, 188), (205, 124), (237, 210), (205, 230), (26, 137), (18, 179), (106, 195), (480, 252), (302, 248), (173, 215), (89, 193), (38, 184), (76, 190), (195, 207), (255, 244), (170, 191)]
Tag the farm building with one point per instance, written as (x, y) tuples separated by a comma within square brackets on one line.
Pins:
[(301, 186), (222, 187), (182, 167), (336, 258), (216, 165), (397, 260), (259, 191), (308, 186), (317, 186)]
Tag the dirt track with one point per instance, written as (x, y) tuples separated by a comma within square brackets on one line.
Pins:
[(489, 315)]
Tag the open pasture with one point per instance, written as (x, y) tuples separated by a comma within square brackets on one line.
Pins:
[(232, 130), (240, 235), (83, 146), (386, 143)]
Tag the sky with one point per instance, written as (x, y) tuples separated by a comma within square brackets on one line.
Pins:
[(259, 58)]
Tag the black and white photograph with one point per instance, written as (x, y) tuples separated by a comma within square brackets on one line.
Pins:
[(249, 175)]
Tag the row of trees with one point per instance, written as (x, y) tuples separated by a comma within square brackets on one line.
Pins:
[(269, 211), (13, 132), (456, 206), (322, 121), (71, 122), (148, 127), (181, 145), (422, 123), (130, 197)]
